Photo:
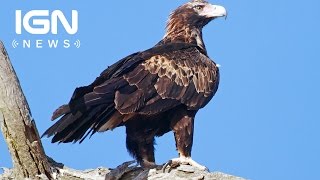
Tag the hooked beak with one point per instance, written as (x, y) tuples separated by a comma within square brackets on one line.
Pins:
[(213, 11)]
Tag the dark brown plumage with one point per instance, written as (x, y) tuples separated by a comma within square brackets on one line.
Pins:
[(150, 92)]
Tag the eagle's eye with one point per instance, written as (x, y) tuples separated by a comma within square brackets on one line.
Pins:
[(198, 7)]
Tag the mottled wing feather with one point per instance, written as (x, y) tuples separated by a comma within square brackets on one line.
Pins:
[(187, 76), (165, 81)]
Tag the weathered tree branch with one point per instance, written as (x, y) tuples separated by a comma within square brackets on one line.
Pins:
[(128, 171), (18, 128)]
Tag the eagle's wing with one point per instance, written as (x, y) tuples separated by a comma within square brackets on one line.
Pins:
[(164, 81), (145, 83)]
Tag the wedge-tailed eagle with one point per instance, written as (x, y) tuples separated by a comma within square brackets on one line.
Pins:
[(150, 92)]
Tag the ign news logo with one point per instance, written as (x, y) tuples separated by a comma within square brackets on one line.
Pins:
[(43, 22)]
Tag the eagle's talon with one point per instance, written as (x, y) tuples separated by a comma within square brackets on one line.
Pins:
[(165, 166), (173, 163)]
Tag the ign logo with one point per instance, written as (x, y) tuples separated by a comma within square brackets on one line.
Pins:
[(42, 22)]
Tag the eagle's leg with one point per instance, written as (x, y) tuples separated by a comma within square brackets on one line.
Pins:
[(141, 146), (183, 133)]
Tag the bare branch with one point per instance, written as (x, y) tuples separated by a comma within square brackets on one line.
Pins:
[(18, 128)]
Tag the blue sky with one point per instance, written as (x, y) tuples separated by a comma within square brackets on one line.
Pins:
[(262, 124)]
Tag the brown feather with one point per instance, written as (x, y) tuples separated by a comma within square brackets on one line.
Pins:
[(112, 123), (60, 111)]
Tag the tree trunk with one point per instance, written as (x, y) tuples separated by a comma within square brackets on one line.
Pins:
[(18, 128)]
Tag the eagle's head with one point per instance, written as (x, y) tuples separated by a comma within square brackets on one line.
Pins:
[(196, 13), (187, 21)]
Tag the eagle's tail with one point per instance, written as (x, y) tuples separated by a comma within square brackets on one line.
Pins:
[(73, 127), (90, 110)]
